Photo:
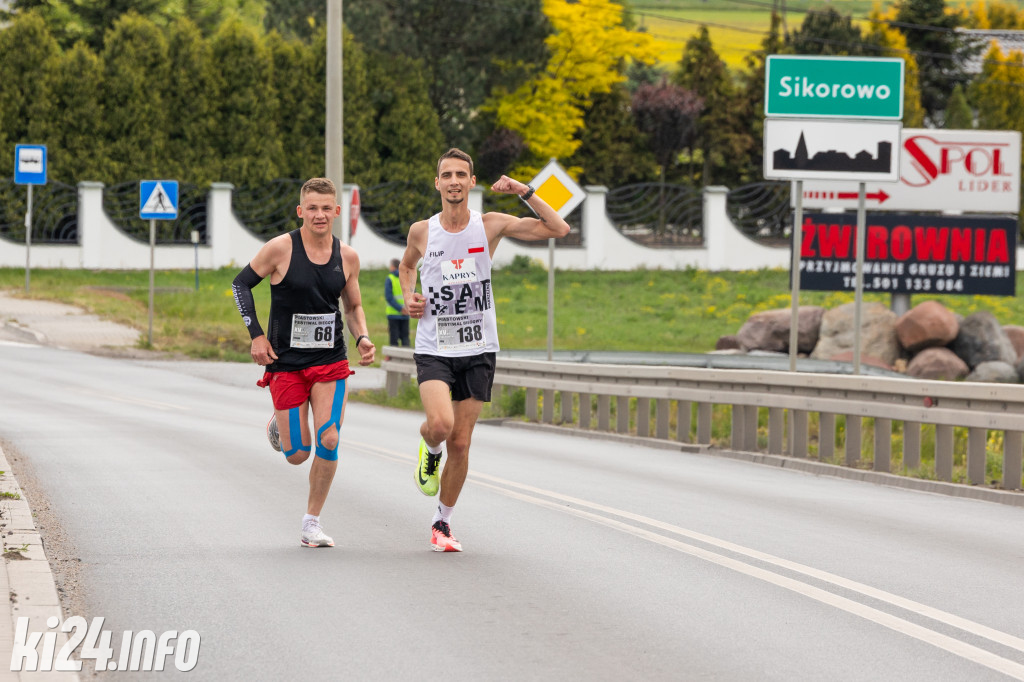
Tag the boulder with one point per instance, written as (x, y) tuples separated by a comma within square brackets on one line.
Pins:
[(925, 325), (769, 329), (878, 333), (995, 371), (1016, 335), (729, 342), (937, 363), (982, 339)]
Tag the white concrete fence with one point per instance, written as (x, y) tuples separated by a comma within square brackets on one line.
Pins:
[(103, 245)]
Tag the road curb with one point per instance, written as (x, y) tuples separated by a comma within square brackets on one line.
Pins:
[(26, 577), (1007, 497)]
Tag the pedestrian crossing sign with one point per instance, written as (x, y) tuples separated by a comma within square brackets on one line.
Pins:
[(158, 199), (557, 188)]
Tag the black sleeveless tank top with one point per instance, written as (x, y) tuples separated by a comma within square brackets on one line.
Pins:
[(306, 325)]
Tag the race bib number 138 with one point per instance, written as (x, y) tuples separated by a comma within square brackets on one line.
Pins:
[(461, 332)]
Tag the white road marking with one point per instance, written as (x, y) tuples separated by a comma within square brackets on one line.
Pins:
[(132, 401), (529, 494)]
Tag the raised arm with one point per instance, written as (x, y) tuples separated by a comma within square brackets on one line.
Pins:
[(547, 224)]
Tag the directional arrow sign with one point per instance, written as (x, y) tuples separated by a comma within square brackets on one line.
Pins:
[(976, 171), (879, 197)]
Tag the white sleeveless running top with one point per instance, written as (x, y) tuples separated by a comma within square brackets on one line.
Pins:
[(455, 275)]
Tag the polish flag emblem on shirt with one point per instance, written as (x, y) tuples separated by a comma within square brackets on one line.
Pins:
[(476, 248)]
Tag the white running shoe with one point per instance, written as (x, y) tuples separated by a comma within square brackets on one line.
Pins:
[(273, 435), (313, 536)]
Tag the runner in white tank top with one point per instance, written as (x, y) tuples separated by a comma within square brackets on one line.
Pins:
[(455, 277), (457, 332)]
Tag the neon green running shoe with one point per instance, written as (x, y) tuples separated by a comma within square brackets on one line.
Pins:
[(426, 472)]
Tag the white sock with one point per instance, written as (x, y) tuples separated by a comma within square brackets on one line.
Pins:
[(434, 450), (309, 517), (443, 513)]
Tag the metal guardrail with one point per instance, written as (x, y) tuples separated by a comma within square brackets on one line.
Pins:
[(789, 399)]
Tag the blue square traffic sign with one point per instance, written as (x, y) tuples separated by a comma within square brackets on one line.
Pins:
[(30, 164), (158, 199)]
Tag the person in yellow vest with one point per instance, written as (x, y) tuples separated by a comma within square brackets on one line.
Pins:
[(398, 314)]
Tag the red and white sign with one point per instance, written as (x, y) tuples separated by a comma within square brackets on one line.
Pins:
[(976, 171), (353, 212)]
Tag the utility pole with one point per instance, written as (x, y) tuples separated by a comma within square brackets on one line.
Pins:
[(334, 136)]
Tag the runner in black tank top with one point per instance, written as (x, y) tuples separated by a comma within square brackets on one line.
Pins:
[(307, 288), (305, 355)]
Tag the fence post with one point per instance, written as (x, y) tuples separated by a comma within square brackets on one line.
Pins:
[(595, 224), (219, 221), (714, 228), (90, 225)]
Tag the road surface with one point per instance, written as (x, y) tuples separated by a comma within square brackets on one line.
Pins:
[(584, 559)]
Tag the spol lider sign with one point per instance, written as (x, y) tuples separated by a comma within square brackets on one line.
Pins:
[(907, 253), (833, 87)]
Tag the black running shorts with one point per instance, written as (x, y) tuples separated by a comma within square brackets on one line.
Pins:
[(470, 376)]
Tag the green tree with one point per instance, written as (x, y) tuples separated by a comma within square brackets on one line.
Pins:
[(611, 153), (721, 137), (79, 150), (135, 70), (28, 57), (958, 112), (362, 160), (61, 20), (190, 92), (409, 137), (940, 52), (296, 19), (667, 114), (998, 91), (587, 53), (467, 50), (891, 43), (750, 103), (248, 140), (826, 32), (302, 122)]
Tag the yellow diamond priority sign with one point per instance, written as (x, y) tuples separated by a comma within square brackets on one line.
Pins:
[(558, 189)]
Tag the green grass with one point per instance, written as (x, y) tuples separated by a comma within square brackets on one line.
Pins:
[(683, 311)]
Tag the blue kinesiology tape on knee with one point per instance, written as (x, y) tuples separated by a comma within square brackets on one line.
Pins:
[(339, 402), (295, 433)]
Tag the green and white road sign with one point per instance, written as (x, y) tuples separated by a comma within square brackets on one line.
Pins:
[(833, 87)]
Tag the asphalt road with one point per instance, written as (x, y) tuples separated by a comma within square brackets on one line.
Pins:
[(583, 559)]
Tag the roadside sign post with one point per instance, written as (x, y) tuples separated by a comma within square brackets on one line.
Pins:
[(195, 245), (353, 213), (794, 318), (559, 191), (158, 200), (29, 169), (858, 296), (863, 97)]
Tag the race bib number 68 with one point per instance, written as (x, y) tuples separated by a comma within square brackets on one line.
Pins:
[(313, 331)]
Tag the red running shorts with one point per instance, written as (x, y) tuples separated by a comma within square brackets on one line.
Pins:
[(291, 389)]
